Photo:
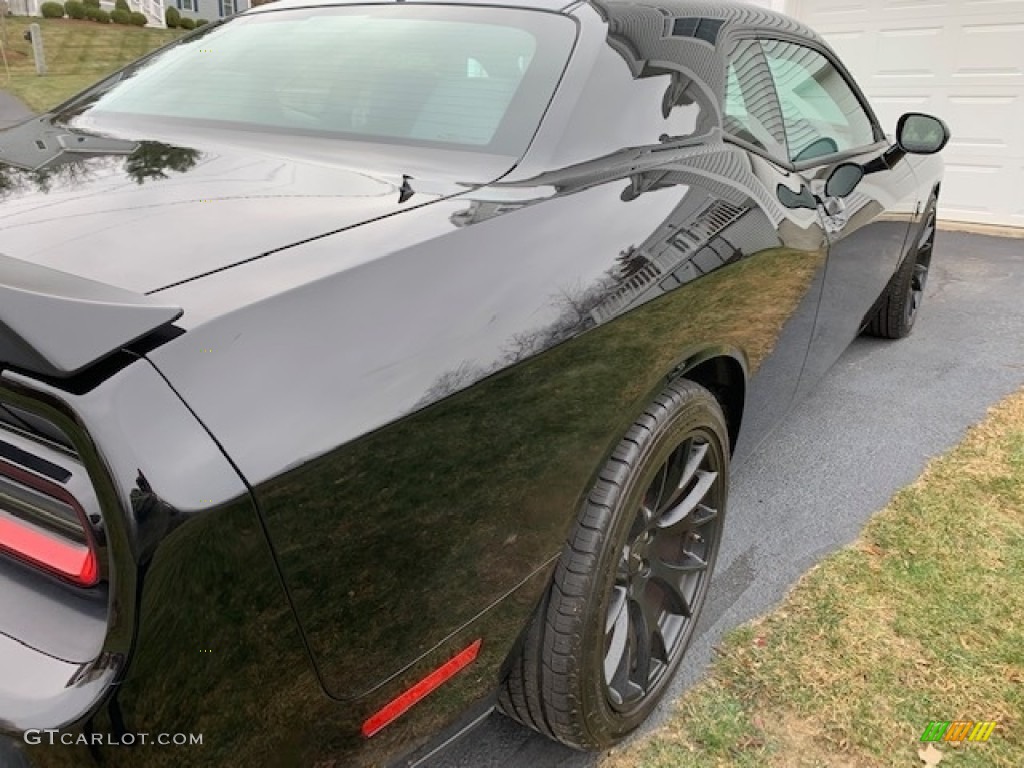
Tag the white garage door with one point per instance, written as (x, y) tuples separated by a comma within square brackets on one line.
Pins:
[(962, 60)]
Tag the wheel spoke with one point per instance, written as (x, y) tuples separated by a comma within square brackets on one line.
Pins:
[(927, 235), (691, 564), (652, 499), (632, 691), (676, 476), (645, 625), (694, 458), (615, 609), (693, 462), (646, 518), (659, 648), (920, 276), (704, 515), (696, 494), (674, 575), (617, 656)]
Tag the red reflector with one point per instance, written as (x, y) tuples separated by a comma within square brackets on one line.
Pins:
[(402, 703), (65, 558)]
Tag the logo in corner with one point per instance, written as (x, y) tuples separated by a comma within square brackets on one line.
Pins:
[(958, 730)]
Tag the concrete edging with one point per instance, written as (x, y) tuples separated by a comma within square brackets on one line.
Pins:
[(992, 230)]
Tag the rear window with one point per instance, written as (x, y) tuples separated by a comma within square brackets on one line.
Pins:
[(469, 77)]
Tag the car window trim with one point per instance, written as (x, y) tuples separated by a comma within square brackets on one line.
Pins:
[(759, 151), (783, 162), (830, 56), (838, 157)]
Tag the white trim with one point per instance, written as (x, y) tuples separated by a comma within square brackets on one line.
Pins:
[(783, 6)]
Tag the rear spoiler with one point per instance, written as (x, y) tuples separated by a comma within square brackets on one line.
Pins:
[(57, 324)]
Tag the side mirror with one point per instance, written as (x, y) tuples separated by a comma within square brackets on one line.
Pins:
[(843, 180), (920, 134), (802, 199)]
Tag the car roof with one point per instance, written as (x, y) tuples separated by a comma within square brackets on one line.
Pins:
[(544, 5), (733, 13)]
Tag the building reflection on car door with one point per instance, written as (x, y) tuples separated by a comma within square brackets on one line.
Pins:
[(828, 124), (752, 119)]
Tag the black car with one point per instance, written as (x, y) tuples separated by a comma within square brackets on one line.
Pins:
[(370, 366)]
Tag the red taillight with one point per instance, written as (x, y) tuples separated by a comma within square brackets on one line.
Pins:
[(43, 525), (41, 548), (401, 704)]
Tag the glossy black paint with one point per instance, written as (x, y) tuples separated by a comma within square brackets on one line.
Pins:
[(171, 201), (97, 319), (364, 450)]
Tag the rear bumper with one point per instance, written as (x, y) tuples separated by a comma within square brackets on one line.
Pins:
[(66, 652), (38, 691)]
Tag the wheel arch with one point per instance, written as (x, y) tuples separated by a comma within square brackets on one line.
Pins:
[(723, 372)]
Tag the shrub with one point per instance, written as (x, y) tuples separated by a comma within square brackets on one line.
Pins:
[(138, 19), (187, 23), (122, 5), (97, 14), (201, 22), (92, 3), (121, 16), (52, 10), (172, 17), (75, 9)]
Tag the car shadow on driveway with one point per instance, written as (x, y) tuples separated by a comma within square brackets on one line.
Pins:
[(869, 428)]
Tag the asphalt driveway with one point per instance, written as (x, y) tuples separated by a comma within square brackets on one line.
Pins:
[(868, 430), (12, 111)]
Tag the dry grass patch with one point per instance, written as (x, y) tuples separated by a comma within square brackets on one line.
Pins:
[(78, 54), (917, 621)]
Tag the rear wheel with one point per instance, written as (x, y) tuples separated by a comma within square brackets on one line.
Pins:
[(632, 579), (898, 308)]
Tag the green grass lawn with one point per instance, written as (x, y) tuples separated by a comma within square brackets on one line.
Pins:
[(78, 53), (919, 620)]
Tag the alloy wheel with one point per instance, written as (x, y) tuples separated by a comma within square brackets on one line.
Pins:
[(922, 263), (663, 573)]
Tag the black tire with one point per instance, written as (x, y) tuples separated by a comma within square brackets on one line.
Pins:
[(612, 580), (898, 307)]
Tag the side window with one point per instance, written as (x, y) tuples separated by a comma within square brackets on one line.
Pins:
[(751, 110), (822, 114)]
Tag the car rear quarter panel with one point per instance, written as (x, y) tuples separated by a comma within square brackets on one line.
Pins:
[(184, 559), (419, 428)]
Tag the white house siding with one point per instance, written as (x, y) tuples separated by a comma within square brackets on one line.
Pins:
[(24, 7), (211, 10), (962, 60)]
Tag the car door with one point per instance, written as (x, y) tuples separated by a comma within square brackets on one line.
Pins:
[(752, 119), (827, 122)]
